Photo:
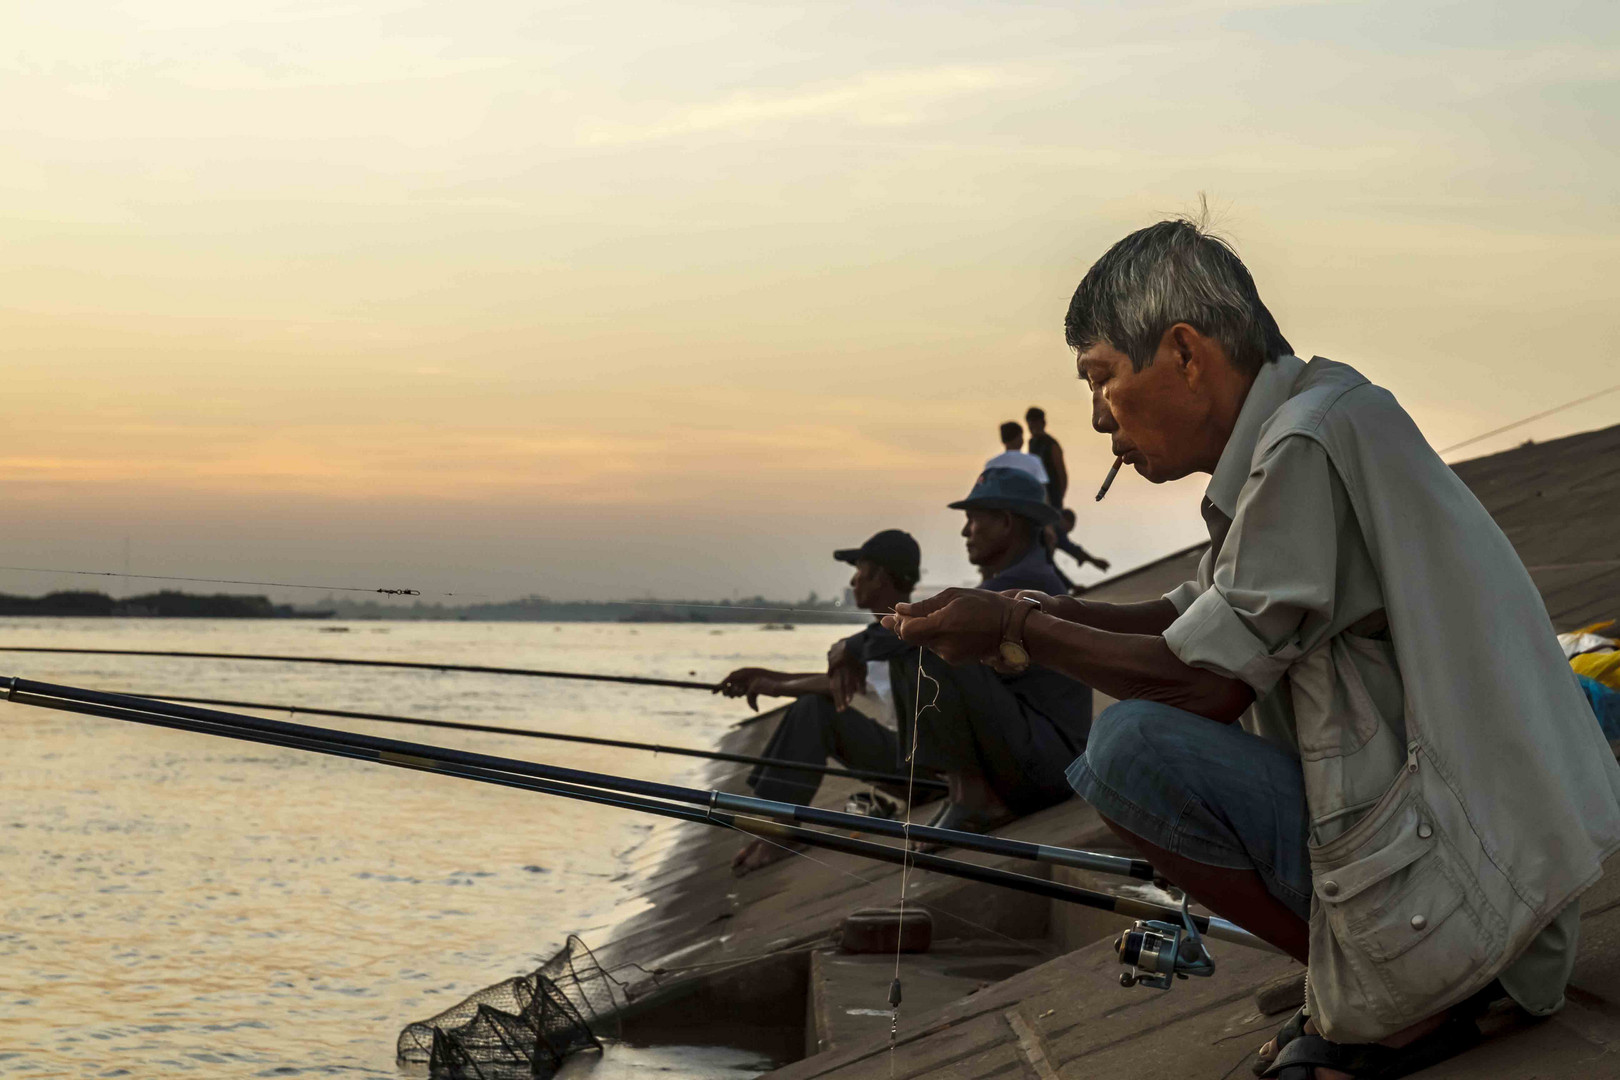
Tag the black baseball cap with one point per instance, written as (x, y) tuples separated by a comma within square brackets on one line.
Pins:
[(891, 549)]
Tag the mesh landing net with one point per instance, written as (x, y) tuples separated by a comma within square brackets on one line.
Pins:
[(520, 1029)]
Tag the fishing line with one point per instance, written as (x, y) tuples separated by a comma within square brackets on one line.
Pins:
[(917, 709), (1528, 419), (1024, 946), (555, 736), (413, 665)]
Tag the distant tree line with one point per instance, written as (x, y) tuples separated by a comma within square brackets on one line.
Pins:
[(158, 605), (753, 609)]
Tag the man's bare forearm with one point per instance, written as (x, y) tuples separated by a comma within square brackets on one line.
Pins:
[(800, 685), (1151, 617), (1132, 665)]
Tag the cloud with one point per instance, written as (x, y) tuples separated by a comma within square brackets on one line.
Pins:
[(888, 99)]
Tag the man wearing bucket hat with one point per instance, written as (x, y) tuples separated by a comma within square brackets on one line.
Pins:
[(999, 737), (1006, 511)]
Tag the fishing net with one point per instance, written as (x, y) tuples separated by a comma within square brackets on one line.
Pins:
[(520, 1029)]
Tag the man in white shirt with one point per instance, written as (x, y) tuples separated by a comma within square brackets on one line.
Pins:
[(1012, 437)]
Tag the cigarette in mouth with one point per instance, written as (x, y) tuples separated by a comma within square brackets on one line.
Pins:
[(1108, 481)]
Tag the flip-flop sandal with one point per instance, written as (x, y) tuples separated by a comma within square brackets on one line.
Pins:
[(1304, 1054), (1293, 1029)]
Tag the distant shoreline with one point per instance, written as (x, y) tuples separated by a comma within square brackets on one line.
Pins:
[(179, 605)]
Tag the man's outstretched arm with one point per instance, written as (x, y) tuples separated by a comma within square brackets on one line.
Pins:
[(753, 683)]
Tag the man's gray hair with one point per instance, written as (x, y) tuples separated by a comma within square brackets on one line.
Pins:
[(1172, 272)]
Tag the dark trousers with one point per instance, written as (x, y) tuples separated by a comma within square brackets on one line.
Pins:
[(813, 731), (975, 720)]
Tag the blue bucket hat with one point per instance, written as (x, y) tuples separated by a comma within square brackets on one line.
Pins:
[(1010, 489)]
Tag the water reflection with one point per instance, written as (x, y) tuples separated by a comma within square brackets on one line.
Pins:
[(182, 904)]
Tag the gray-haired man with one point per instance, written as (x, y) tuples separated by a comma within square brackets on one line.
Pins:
[(1417, 792)]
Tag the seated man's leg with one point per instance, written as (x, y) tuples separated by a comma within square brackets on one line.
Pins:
[(811, 732), (972, 722), (1218, 811)]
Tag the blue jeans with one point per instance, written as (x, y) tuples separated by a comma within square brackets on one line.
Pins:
[(1209, 792)]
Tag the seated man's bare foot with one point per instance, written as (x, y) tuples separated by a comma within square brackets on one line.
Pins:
[(759, 854)]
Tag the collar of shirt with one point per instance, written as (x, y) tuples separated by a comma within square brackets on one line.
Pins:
[(1272, 386), (1031, 571)]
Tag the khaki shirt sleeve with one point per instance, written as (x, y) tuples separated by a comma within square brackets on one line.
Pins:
[(1184, 594), (1271, 593)]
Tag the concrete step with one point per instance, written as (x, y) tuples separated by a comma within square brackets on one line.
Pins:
[(849, 994)]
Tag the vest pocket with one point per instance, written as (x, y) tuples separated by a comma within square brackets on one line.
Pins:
[(1394, 930)]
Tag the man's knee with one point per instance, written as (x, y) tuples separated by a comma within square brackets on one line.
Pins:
[(1118, 744), (813, 709)]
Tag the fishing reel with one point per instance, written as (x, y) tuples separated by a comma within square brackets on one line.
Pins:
[(1157, 951)]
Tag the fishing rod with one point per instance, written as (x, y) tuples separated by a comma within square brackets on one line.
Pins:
[(415, 665), (437, 760), (557, 736), (75, 699)]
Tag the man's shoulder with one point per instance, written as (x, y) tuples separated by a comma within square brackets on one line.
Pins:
[(1028, 573), (1327, 394)]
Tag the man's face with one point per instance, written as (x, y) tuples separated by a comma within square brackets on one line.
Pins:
[(1036, 425), (988, 534), (867, 583), (1156, 418)]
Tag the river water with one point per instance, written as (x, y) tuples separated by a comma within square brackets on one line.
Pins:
[(174, 904)]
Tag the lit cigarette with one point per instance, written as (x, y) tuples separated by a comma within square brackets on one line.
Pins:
[(1108, 481)]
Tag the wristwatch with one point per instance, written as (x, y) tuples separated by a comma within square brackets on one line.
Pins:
[(1011, 652)]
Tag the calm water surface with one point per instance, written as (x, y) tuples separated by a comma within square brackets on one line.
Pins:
[(175, 904)]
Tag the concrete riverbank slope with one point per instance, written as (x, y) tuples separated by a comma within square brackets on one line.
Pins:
[(1020, 986)]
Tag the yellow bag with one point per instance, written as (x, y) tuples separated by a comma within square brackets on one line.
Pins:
[(1601, 666)]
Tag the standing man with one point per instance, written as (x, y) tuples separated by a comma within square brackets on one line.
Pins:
[(1013, 457), (1354, 733), (1047, 449)]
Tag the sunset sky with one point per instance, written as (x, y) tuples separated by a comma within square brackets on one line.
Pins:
[(608, 299)]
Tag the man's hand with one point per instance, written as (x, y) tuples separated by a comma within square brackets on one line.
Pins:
[(750, 683), (1101, 564), (845, 675), (961, 625)]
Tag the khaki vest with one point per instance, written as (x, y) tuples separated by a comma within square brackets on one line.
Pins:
[(1503, 800)]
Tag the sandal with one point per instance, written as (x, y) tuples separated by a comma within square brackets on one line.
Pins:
[(1293, 1029), (1304, 1054)]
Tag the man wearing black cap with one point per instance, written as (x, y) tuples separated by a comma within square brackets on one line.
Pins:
[(1002, 737), (825, 720)]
